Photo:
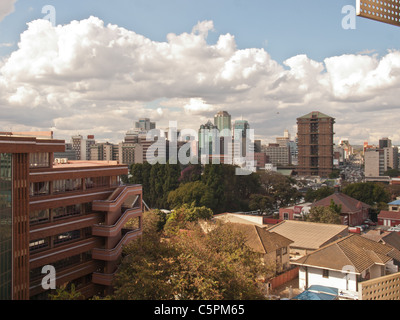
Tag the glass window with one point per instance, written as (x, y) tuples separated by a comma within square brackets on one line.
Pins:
[(39, 216), (67, 211), (38, 244), (58, 186), (67, 236), (39, 160), (39, 189), (5, 226)]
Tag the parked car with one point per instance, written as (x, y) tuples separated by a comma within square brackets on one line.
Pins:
[(361, 228), (369, 222)]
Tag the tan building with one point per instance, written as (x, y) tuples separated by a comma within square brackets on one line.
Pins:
[(308, 236)]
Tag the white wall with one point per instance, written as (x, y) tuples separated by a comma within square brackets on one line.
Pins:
[(336, 279)]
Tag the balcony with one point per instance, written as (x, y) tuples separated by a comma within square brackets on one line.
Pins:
[(113, 230), (64, 276), (117, 198), (55, 254), (115, 253)]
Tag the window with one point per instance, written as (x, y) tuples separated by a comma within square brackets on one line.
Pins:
[(39, 216), (67, 211), (67, 236), (325, 273), (285, 216), (39, 189), (60, 186), (39, 160), (284, 250), (97, 182), (38, 244)]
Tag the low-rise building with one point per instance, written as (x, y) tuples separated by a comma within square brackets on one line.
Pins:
[(353, 212), (308, 236), (346, 263)]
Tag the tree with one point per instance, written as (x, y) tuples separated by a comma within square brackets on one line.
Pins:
[(192, 192), (322, 214), (368, 192), (316, 195), (192, 265), (62, 293), (179, 217), (261, 202), (393, 173), (280, 188)]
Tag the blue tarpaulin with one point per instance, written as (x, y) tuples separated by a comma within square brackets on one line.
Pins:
[(317, 292)]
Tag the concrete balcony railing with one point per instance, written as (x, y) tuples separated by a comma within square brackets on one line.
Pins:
[(52, 255), (64, 276), (117, 198), (115, 253), (113, 230)]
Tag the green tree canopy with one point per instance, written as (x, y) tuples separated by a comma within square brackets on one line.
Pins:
[(316, 195), (179, 217), (323, 215), (193, 265), (368, 192)]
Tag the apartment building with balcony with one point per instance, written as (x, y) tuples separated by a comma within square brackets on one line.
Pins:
[(72, 216), (315, 144)]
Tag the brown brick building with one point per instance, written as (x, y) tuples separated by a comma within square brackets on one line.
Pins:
[(71, 216), (315, 144)]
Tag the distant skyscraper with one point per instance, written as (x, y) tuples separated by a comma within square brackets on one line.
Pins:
[(315, 144), (222, 120), (208, 138), (82, 146), (385, 143), (240, 127), (144, 124)]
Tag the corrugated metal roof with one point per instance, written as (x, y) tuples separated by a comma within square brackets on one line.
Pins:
[(308, 235)]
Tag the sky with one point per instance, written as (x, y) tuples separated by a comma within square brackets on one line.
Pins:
[(97, 66)]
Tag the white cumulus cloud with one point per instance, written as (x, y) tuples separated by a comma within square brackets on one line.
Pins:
[(98, 79)]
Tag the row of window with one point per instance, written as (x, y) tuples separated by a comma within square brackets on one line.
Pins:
[(68, 185), (54, 241), (62, 264), (46, 215), (39, 160)]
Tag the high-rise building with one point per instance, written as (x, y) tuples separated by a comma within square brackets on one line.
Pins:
[(71, 217), (374, 162), (208, 139), (82, 146), (126, 153), (278, 155), (385, 143), (222, 120), (144, 124), (315, 144)]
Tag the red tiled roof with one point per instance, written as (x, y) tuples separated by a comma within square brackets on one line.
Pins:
[(349, 204), (394, 215)]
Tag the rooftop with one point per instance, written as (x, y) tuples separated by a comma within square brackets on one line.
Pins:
[(84, 163), (353, 250), (349, 204), (308, 235), (315, 114), (261, 240)]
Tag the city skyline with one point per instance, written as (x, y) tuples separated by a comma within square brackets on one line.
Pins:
[(104, 66)]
